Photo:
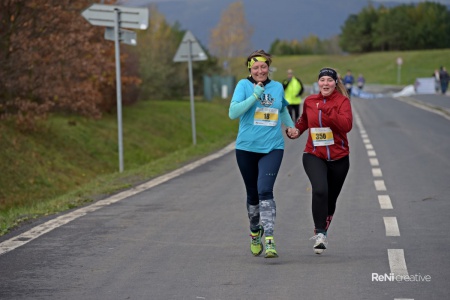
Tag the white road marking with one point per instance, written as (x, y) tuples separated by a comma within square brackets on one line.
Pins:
[(376, 172), (391, 225), (39, 230), (396, 257), (397, 262), (379, 185), (443, 112), (385, 202), (374, 162)]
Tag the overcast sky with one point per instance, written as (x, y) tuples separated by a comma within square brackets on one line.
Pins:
[(282, 19)]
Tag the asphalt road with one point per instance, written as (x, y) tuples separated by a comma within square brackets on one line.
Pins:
[(186, 236)]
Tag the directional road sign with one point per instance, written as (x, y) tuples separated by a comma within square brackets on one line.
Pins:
[(114, 18), (125, 36), (103, 15)]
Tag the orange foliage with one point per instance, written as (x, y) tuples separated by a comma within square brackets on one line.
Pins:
[(52, 59)]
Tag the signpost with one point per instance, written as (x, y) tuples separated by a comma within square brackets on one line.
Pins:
[(115, 18), (190, 50), (103, 15), (125, 36)]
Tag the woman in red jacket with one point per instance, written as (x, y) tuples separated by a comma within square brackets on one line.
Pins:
[(328, 116)]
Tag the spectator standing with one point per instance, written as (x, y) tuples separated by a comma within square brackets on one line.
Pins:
[(361, 81), (437, 82), (444, 78), (349, 80), (293, 89)]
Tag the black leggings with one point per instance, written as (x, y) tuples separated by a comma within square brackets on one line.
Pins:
[(327, 179), (259, 171), (294, 111)]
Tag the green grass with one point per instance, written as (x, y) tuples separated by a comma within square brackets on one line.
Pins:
[(377, 68), (71, 161), (63, 166)]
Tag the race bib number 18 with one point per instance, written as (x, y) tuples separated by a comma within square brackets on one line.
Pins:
[(265, 116)]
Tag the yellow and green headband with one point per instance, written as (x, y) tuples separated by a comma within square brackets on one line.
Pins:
[(255, 59)]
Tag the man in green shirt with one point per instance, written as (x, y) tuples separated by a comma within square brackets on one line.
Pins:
[(293, 89)]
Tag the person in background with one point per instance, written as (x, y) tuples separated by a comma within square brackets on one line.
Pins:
[(259, 104), (349, 80), (328, 118), (444, 78), (293, 89), (437, 82), (361, 81)]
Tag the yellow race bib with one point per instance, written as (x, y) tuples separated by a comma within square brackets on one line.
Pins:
[(322, 136), (265, 116)]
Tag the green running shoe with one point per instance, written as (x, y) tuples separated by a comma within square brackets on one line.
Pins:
[(271, 252), (256, 246)]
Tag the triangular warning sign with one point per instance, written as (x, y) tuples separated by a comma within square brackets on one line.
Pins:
[(189, 44)]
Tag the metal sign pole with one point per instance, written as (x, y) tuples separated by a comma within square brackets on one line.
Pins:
[(190, 50), (118, 87), (113, 18), (191, 92)]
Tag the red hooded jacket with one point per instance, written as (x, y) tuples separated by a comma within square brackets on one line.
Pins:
[(334, 112)]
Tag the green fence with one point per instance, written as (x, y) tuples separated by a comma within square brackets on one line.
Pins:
[(217, 86)]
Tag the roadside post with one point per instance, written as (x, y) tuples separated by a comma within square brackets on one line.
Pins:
[(114, 18), (190, 50)]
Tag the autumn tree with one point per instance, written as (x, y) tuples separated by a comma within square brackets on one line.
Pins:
[(231, 37), (52, 60), (161, 77)]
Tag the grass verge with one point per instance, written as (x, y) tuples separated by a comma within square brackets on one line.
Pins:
[(72, 161)]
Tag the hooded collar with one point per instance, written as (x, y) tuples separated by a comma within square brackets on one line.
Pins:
[(254, 81)]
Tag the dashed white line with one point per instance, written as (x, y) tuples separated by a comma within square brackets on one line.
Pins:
[(391, 225), (379, 185), (374, 162), (397, 262), (396, 257), (385, 202), (376, 172)]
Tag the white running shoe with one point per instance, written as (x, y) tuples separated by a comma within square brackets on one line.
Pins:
[(321, 243)]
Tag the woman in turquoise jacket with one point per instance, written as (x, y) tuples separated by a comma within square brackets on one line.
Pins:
[(259, 104)]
